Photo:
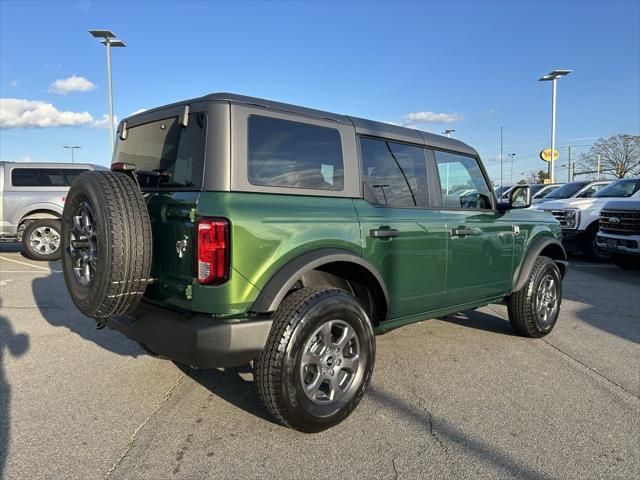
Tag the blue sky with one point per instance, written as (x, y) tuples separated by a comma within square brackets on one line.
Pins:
[(477, 62)]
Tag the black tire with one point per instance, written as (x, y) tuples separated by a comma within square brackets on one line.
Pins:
[(590, 247), (109, 244), (523, 305), (41, 240), (278, 371), (626, 262)]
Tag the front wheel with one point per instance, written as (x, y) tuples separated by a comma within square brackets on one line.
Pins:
[(534, 309), (318, 359)]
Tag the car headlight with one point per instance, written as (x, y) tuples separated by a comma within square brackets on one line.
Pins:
[(571, 218)]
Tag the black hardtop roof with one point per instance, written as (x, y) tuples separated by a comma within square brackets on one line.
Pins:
[(362, 126)]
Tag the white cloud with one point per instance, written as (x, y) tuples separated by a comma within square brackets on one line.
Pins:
[(14, 83), (432, 117), (71, 84), (104, 122), (22, 113), (25, 159)]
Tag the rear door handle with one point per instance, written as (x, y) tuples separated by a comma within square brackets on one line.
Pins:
[(463, 232), (383, 233)]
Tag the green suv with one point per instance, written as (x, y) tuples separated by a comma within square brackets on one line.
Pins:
[(232, 230)]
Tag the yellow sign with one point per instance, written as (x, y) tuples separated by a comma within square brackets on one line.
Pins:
[(546, 155)]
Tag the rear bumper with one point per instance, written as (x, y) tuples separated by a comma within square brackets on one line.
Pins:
[(194, 339)]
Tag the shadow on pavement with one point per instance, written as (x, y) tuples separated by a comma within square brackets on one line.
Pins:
[(51, 297), (229, 385), (481, 321), (611, 297), (9, 247), (16, 345), (447, 436)]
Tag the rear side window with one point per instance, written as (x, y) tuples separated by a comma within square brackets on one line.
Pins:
[(395, 173), (166, 154), (37, 177), (462, 182), (290, 154)]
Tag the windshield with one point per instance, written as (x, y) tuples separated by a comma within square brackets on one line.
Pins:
[(622, 188), (567, 190), (547, 191), (166, 154)]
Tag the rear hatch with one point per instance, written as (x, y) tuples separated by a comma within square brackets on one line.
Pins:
[(169, 160)]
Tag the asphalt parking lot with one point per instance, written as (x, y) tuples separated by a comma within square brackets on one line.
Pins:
[(455, 398)]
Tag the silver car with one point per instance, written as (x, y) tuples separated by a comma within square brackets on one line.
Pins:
[(32, 196)]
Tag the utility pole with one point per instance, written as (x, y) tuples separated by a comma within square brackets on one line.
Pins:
[(598, 178), (569, 169), (501, 156)]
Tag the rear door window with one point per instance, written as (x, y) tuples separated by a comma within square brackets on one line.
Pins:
[(282, 153), (395, 173), (166, 154), (37, 177), (462, 183)]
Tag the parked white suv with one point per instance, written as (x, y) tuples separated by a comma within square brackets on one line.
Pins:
[(579, 217)]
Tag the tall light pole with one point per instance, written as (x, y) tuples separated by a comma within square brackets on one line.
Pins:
[(72, 148), (511, 155), (501, 155), (552, 77), (109, 40)]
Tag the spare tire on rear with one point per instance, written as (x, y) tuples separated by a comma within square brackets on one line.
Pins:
[(106, 243)]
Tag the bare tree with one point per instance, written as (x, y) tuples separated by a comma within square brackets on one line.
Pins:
[(619, 155)]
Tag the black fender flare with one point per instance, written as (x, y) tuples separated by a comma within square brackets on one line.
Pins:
[(533, 252), (286, 277)]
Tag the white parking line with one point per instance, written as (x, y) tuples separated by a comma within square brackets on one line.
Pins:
[(29, 265), (28, 271)]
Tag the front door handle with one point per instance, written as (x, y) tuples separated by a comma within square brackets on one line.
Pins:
[(383, 233), (464, 232)]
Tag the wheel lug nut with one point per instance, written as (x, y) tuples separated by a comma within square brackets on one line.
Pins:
[(331, 371)]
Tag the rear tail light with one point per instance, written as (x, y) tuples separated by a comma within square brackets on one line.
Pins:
[(213, 251)]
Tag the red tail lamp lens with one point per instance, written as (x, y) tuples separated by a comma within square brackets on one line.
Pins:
[(213, 251)]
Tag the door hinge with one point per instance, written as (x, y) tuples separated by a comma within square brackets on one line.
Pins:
[(192, 215), (188, 292)]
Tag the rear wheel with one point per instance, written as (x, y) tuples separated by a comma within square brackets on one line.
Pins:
[(106, 239), (41, 240), (318, 359), (533, 310)]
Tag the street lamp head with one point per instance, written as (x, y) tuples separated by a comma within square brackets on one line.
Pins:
[(554, 75), (560, 73), (114, 43), (448, 131), (102, 33)]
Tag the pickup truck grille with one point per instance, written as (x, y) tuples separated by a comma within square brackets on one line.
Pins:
[(560, 215), (620, 222)]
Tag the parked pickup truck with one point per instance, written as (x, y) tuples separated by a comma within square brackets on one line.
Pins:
[(580, 217), (31, 201), (620, 232)]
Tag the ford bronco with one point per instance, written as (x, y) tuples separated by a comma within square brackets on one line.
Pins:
[(232, 230)]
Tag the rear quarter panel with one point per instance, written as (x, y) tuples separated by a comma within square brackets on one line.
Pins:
[(269, 230)]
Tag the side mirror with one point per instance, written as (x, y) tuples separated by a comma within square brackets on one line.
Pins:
[(519, 197)]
